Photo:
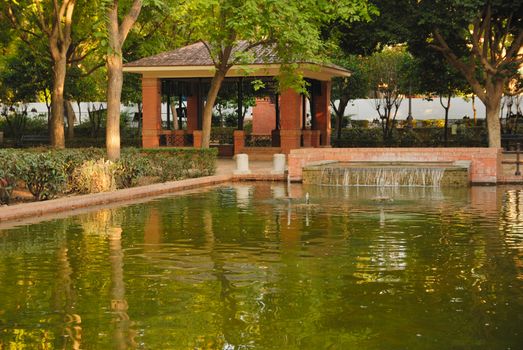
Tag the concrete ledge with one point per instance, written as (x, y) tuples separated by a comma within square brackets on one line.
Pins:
[(35, 209), (260, 177)]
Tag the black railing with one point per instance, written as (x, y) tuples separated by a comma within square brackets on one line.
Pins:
[(174, 140), (258, 141), (222, 136), (518, 161), (509, 142)]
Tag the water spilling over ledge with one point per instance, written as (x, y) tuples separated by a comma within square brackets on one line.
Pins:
[(388, 174)]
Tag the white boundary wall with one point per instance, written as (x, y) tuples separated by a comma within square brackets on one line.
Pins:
[(360, 109)]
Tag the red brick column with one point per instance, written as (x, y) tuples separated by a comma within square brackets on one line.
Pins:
[(307, 138), (263, 117), (197, 138), (239, 141), (192, 113), (152, 125), (323, 113), (290, 120), (315, 138)]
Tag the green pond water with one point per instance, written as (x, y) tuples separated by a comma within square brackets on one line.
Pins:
[(252, 266)]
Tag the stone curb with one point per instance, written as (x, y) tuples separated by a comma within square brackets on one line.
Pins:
[(35, 209)]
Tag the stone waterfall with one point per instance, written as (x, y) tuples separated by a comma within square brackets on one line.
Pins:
[(387, 174)]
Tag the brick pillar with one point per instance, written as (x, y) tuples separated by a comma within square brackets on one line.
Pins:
[(263, 117), (290, 120), (315, 138), (323, 114), (307, 138), (239, 141), (192, 112), (152, 124), (197, 138)]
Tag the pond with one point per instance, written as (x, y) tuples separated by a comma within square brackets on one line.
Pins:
[(253, 266)]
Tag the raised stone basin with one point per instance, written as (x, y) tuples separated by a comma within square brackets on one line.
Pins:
[(436, 174)]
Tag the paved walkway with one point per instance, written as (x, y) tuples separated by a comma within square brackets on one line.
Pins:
[(258, 167)]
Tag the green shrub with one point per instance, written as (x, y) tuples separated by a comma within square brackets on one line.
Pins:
[(74, 157), (179, 163), (47, 173), (44, 174), (11, 162), (130, 167), (204, 164), (95, 176)]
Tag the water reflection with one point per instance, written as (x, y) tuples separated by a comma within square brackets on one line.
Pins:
[(255, 266)]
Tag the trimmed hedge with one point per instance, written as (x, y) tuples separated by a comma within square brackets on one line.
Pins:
[(48, 173), (417, 137)]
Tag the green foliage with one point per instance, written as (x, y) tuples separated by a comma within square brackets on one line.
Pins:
[(178, 163), (431, 136), (49, 173), (222, 136), (27, 71), (44, 175), (74, 158), (130, 167), (389, 24), (389, 74), (355, 86), (95, 176), (9, 173)]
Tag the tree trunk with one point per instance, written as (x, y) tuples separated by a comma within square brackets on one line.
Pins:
[(57, 104), (216, 83), (446, 125), (117, 35), (494, 129), (114, 92), (71, 117), (474, 112), (339, 116)]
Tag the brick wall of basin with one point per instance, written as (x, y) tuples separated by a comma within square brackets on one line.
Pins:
[(485, 166)]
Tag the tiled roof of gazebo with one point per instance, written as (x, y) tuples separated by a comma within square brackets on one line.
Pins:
[(194, 61), (198, 55)]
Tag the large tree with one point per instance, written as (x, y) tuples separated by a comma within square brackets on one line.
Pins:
[(348, 88), (117, 32), (388, 26), (52, 20), (162, 26), (389, 79), (231, 29), (483, 41), (437, 79)]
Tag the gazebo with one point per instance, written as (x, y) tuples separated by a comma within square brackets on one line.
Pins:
[(181, 79)]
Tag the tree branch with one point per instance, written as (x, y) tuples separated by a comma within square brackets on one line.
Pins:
[(209, 51), (129, 20), (467, 71)]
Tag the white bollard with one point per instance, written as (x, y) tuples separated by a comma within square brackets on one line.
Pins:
[(242, 164), (278, 164)]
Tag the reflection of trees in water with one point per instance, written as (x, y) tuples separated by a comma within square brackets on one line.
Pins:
[(511, 223), (123, 335), (210, 274), (64, 299)]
